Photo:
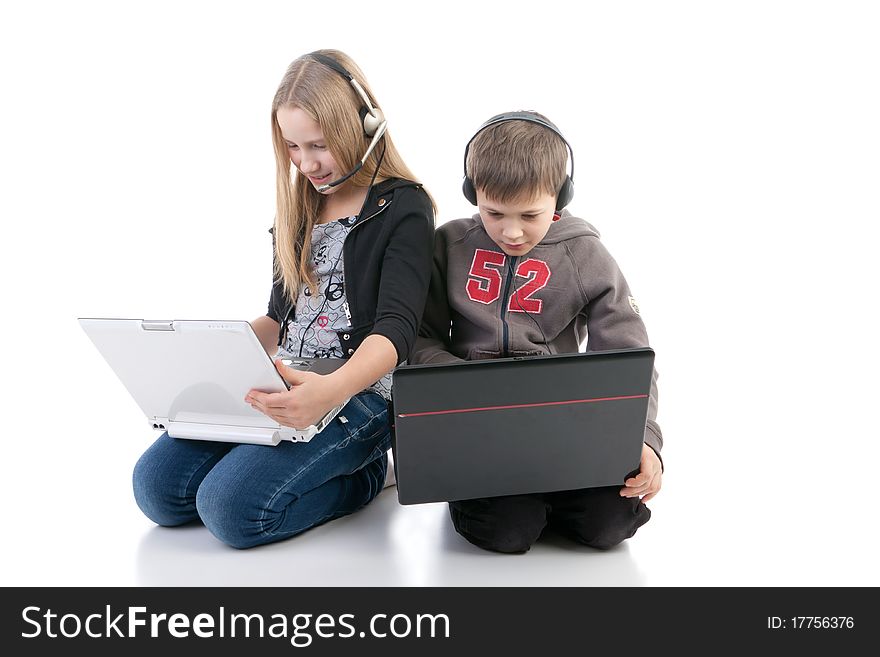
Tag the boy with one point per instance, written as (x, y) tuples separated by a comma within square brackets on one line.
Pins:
[(524, 277)]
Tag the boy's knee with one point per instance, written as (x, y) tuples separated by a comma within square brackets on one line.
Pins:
[(609, 524), (508, 526), (605, 538), (508, 540)]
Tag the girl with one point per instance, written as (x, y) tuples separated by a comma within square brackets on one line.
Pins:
[(352, 245)]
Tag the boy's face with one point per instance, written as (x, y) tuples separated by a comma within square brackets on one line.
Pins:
[(517, 226)]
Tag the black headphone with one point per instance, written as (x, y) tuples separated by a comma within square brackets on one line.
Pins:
[(372, 118), (566, 191)]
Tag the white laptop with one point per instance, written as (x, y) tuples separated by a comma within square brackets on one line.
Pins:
[(190, 377)]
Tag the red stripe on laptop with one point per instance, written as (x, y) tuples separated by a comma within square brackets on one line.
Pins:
[(501, 408)]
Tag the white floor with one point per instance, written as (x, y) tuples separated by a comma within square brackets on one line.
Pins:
[(728, 156), (770, 480), (387, 544), (70, 520)]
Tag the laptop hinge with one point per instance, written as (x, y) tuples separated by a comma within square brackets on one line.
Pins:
[(224, 433)]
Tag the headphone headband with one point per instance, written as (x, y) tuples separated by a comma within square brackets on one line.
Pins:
[(329, 62), (531, 117), (371, 123), (566, 192)]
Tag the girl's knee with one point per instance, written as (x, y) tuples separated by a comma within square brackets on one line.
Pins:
[(154, 499), (244, 521), (225, 516)]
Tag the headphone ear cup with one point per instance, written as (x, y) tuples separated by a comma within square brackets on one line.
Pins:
[(566, 193), (371, 123), (467, 188)]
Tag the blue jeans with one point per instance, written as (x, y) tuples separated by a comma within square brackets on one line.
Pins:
[(248, 495)]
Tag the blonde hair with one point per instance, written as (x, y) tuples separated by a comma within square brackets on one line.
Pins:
[(517, 159), (329, 99)]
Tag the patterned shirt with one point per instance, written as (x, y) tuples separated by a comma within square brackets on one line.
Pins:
[(312, 332)]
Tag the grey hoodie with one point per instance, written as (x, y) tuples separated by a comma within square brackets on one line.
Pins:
[(568, 283)]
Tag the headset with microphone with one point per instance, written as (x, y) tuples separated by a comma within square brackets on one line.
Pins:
[(566, 190), (373, 119)]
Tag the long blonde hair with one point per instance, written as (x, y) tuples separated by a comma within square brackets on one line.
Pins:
[(329, 99)]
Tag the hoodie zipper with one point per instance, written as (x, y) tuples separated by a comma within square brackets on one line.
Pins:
[(505, 330)]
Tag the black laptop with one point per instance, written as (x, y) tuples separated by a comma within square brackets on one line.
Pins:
[(519, 425)]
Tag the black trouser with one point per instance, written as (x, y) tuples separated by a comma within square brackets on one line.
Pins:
[(598, 517)]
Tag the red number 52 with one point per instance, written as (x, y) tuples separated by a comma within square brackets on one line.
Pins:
[(484, 282)]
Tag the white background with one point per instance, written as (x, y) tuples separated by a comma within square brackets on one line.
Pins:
[(727, 151)]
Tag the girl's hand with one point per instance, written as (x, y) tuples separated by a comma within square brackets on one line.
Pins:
[(647, 482), (308, 400)]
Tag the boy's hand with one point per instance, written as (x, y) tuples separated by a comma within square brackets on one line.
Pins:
[(647, 483), (308, 400)]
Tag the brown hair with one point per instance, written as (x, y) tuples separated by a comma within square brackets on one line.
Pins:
[(515, 159)]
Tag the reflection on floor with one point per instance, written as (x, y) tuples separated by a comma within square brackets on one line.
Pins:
[(383, 545)]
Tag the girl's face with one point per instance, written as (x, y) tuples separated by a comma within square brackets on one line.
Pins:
[(307, 147)]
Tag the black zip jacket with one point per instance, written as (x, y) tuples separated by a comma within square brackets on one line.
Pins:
[(387, 261)]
